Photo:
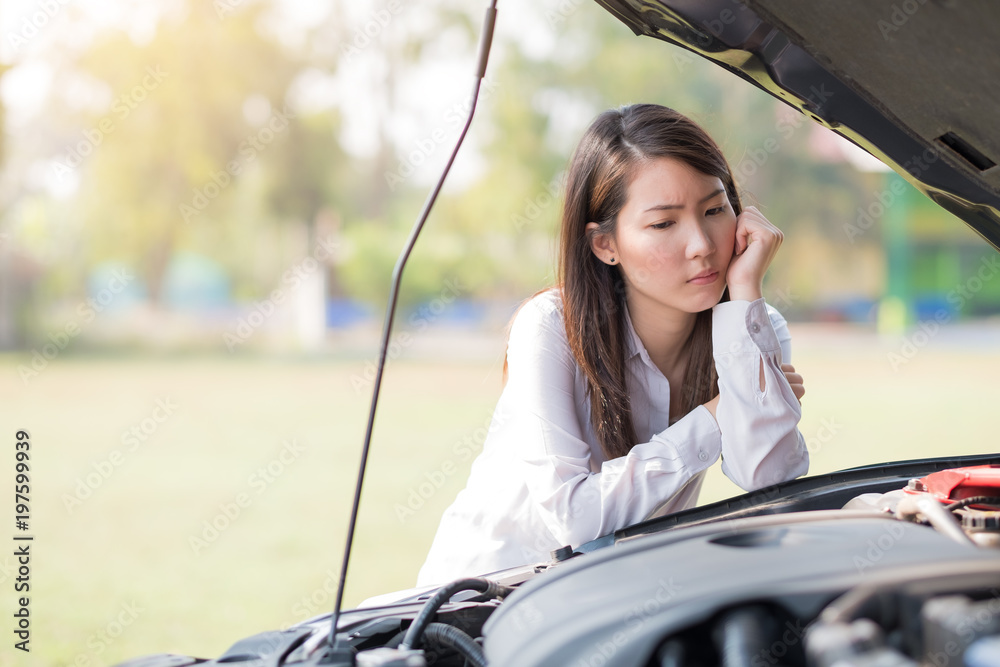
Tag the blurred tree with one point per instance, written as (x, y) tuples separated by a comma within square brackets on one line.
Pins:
[(547, 95), (393, 44), (500, 233), (193, 113), (194, 147)]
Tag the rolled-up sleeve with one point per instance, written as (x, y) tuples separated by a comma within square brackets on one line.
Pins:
[(761, 443), (539, 415)]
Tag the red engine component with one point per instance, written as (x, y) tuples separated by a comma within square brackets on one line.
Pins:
[(959, 483)]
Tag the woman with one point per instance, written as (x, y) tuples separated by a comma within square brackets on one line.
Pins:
[(654, 356)]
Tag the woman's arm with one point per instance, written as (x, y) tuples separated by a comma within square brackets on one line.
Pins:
[(541, 420), (757, 409)]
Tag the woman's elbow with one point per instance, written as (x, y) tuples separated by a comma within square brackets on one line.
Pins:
[(782, 463)]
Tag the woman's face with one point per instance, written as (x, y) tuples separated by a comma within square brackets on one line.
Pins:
[(674, 238)]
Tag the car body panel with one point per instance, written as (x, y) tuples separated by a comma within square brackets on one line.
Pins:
[(621, 603)]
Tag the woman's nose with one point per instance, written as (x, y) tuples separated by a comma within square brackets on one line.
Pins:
[(699, 243)]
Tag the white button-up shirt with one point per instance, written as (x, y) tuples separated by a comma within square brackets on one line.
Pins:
[(542, 480)]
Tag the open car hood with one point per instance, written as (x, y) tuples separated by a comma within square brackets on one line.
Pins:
[(916, 83)]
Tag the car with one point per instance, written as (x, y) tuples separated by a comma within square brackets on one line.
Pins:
[(889, 564)]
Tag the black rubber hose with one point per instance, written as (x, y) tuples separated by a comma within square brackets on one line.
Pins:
[(743, 635), (489, 588), (396, 639), (975, 500), (449, 635)]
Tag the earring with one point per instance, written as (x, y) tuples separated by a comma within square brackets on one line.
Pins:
[(612, 260)]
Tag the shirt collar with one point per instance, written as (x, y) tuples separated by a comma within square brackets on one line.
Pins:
[(632, 340)]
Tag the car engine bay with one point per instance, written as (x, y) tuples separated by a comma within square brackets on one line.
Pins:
[(908, 576)]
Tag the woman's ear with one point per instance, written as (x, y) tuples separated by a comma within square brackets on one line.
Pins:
[(602, 245)]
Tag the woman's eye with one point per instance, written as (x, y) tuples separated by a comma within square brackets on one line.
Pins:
[(715, 211), (662, 225)]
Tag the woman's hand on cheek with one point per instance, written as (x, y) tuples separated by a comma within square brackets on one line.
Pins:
[(757, 242)]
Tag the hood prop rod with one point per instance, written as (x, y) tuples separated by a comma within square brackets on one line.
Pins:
[(340, 652)]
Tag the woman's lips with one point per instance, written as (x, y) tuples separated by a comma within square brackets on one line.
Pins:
[(705, 278)]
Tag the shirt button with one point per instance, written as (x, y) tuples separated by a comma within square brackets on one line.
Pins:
[(755, 327), (703, 455)]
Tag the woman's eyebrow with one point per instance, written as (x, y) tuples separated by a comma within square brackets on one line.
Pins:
[(665, 207)]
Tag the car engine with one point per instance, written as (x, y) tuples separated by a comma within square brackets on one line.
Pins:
[(908, 576)]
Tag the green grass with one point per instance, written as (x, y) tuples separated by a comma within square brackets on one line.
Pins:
[(276, 563)]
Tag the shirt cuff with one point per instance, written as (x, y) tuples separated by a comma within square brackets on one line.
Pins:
[(742, 327), (695, 439)]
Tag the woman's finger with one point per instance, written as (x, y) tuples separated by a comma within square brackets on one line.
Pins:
[(795, 381), (742, 235)]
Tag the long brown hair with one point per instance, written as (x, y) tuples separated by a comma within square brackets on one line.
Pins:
[(593, 292)]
